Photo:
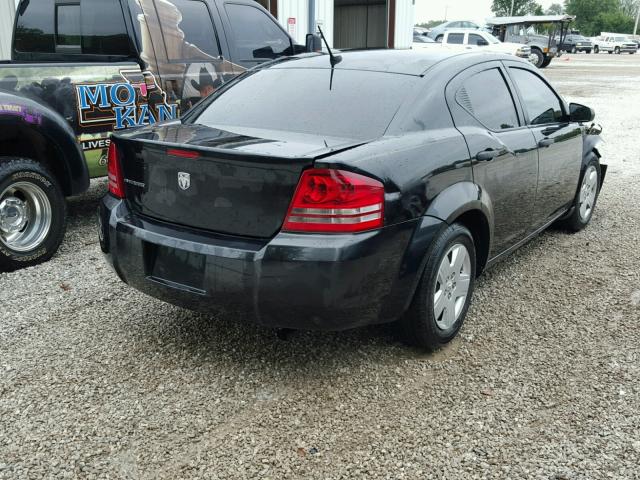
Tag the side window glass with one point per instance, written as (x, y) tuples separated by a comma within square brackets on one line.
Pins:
[(68, 29), (456, 38), (495, 111), (103, 28), (475, 39), (35, 27), (541, 103), (187, 30), (256, 36)]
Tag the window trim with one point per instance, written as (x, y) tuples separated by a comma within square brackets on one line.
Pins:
[(476, 71), (565, 117), (183, 61)]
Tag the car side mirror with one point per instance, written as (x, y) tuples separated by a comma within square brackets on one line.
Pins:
[(581, 113), (313, 43)]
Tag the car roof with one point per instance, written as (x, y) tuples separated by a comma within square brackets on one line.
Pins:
[(406, 62)]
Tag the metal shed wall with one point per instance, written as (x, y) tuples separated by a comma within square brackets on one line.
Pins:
[(405, 19)]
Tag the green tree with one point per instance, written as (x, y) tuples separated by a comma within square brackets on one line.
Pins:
[(595, 16), (502, 8), (555, 9)]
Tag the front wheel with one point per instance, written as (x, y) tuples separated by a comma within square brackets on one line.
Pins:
[(617, 50), (443, 296), (539, 57), (32, 214), (586, 198), (574, 50), (596, 49), (588, 51)]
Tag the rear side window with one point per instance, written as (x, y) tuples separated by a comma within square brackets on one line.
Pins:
[(68, 31), (359, 105), (103, 28), (187, 30), (256, 36), (541, 103), (456, 38), (495, 110), (90, 27)]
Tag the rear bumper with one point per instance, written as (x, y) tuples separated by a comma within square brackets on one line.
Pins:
[(315, 282)]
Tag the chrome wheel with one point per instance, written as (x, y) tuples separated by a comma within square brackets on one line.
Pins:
[(588, 192), (452, 286), (25, 216)]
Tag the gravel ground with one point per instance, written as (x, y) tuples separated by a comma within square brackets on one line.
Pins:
[(99, 381)]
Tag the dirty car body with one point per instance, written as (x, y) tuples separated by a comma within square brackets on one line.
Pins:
[(206, 211)]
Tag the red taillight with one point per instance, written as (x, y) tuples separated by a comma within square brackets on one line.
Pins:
[(114, 171), (335, 201), (174, 152)]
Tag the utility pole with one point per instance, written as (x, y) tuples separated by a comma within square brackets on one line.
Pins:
[(446, 10), (512, 5), (635, 29)]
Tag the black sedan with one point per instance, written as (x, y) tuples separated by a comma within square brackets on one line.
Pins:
[(312, 196), (576, 43)]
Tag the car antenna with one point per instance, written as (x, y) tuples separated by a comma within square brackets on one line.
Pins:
[(334, 59)]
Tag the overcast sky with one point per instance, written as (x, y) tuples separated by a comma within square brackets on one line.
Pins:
[(476, 10)]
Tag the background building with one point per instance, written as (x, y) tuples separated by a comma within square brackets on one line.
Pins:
[(350, 23)]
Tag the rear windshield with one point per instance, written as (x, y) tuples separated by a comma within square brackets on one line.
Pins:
[(358, 105)]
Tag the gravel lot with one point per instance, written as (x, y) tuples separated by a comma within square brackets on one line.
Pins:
[(97, 380)]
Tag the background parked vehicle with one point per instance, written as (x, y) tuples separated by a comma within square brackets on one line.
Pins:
[(574, 43), (539, 32), (479, 39), (437, 32), (293, 208), (614, 44), (422, 41), (40, 163), (108, 65)]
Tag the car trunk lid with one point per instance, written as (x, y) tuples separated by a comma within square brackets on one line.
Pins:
[(238, 183)]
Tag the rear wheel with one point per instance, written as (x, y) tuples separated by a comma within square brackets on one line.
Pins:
[(443, 296), (596, 49), (546, 62), (588, 51), (617, 50), (574, 50), (32, 214), (586, 198)]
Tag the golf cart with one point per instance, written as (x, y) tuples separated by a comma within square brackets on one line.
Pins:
[(537, 31)]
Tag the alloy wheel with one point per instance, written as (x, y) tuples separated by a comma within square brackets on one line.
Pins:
[(588, 192), (452, 286), (25, 216)]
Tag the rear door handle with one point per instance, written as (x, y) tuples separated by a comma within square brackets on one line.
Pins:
[(489, 154), (546, 142)]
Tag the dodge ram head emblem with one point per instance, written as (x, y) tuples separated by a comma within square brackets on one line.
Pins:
[(184, 180)]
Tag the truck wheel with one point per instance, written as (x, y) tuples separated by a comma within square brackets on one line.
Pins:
[(617, 50), (539, 57), (596, 49), (589, 51), (574, 50), (32, 214), (443, 296), (546, 62)]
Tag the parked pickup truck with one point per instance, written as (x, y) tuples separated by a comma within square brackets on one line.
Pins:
[(103, 66), (614, 44), (479, 39)]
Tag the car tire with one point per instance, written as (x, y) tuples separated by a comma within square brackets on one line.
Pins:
[(546, 62), (539, 57), (588, 52), (439, 38), (32, 214), (617, 50), (444, 293), (585, 202), (596, 49), (574, 50)]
